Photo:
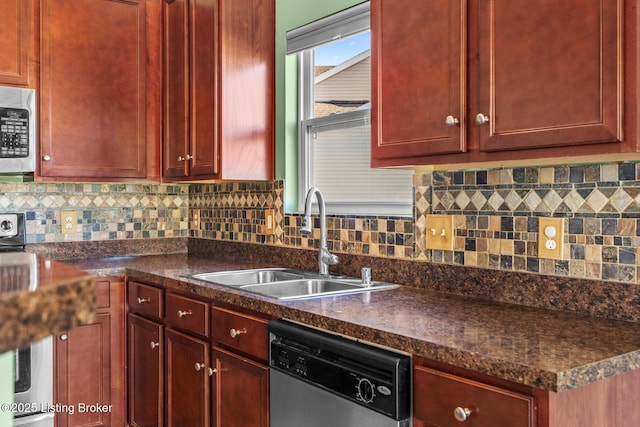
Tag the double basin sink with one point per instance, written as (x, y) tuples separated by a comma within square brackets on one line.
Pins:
[(288, 283)]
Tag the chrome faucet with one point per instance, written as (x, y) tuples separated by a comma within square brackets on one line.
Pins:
[(325, 258)]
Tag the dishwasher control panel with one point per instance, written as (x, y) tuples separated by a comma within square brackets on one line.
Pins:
[(370, 376)]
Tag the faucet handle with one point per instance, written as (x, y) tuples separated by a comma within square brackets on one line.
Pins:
[(330, 259), (327, 257), (365, 273)]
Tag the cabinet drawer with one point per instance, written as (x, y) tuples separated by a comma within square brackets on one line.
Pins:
[(188, 314), (242, 332), (146, 300), (438, 394)]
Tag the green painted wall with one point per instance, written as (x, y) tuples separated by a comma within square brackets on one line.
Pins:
[(291, 14), (6, 387)]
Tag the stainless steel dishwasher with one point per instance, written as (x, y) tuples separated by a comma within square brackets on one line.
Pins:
[(319, 379)]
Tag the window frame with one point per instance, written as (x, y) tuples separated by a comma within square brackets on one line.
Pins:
[(306, 121)]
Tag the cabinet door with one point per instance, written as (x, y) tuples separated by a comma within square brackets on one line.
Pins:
[(14, 49), (187, 380), (176, 102), (203, 87), (237, 381), (83, 373), (93, 89), (418, 78), (190, 88), (549, 75), (146, 372), (246, 98), (90, 363)]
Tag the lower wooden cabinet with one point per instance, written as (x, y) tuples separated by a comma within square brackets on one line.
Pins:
[(89, 364), (443, 399), (442, 392), (187, 373), (236, 381), (146, 372), (194, 363)]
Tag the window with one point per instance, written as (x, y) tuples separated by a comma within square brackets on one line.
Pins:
[(334, 119)]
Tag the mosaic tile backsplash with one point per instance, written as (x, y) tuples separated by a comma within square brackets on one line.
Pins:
[(495, 215), (103, 211)]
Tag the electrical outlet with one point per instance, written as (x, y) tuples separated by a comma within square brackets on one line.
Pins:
[(439, 231), (269, 221), (550, 237), (69, 221)]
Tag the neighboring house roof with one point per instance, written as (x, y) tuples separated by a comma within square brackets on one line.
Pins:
[(337, 82), (320, 69), (333, 70)]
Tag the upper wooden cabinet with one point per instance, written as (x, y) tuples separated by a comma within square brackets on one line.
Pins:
[(17, 48), (219, 89), (190, 78), (97, 64), (418, 77), (549, 75), (480, 80)]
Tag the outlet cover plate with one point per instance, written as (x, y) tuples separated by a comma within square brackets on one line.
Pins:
[(550, 247), (69, 221)]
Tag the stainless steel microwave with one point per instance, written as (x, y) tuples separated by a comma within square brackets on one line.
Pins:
[(17, 130)]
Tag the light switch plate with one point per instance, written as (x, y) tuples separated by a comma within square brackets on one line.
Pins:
[(69, 221), (439, 232), (269, 221), (550, 237)]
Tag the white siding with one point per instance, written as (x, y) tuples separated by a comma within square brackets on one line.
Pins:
[(352, 83)]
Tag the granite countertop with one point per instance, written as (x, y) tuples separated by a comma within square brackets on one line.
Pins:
[(40, 297), (547, 349)]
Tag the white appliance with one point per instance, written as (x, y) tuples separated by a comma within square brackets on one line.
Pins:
[(17, 130), (33, 376)]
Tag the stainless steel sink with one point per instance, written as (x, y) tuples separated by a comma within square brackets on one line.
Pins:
[(248, 277), (285, 283), (302, 288)]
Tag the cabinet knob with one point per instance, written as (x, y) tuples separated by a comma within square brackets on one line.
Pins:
[(461, 414), (46, 158), (481, 119), (187, 157), (451, 121), (143, 300), (212, 371), (199, 366), (64, 337), (182, 314), (235, 332), (154, 345)]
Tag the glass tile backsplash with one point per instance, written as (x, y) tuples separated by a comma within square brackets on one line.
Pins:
[(495, 217)]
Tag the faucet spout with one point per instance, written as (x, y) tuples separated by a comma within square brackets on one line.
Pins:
[(325, 258)]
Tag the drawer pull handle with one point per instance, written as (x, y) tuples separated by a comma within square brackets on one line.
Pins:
[(212, 371), (182, 314), (199, 366), (64, 337), (154, 345), (461, 414), (235, 332), (143, 300)]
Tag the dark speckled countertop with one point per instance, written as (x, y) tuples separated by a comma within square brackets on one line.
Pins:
[(41, 297), (547, 349)]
